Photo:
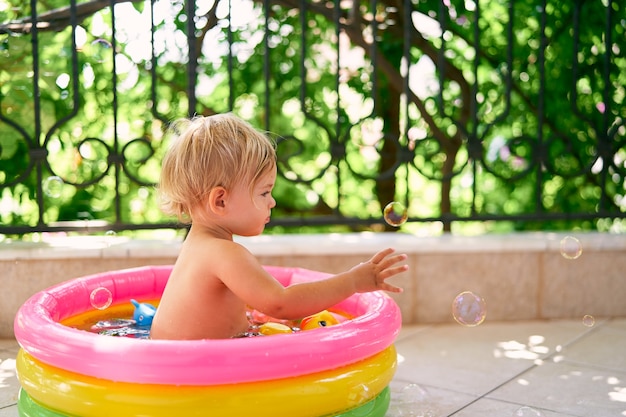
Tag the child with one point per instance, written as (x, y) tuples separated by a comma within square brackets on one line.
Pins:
[(218, 175)]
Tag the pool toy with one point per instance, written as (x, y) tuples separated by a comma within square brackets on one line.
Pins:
[(143, 314), (340, 370), (321, 319)]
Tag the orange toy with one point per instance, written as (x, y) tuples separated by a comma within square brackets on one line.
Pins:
[(322, 319)]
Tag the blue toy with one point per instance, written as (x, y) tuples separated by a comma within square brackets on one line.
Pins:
[(144, 313)]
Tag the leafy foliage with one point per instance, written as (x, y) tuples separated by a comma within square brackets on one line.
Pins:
[(460, 110)]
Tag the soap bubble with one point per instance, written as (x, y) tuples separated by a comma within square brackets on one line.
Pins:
[(395, 214), (53, 186), (413, 394), (101, 298), (589, 320), (101, 50), (526, 411), (571, 247), (469, 309), (413, 401)]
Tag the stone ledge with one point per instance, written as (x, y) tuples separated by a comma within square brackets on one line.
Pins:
[(309, 244)]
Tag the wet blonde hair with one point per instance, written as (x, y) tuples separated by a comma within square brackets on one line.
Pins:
[(220, 150)]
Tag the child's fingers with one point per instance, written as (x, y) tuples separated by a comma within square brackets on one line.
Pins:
[(392, 260), (381, 255), (389, 272), (390, 288)]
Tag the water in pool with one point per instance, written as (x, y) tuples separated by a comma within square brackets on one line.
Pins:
[(121, 328), (260, 325)]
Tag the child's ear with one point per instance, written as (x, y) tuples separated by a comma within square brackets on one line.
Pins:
[(217, 200)]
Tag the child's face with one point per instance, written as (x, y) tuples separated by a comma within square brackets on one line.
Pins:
[(253, 211)]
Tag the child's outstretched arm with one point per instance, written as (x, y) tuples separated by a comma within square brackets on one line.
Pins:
[(262, 292)]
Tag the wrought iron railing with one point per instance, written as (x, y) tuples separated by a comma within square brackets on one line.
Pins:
[(506, 113)]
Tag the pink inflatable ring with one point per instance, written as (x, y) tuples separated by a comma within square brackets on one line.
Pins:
[(41, 333)]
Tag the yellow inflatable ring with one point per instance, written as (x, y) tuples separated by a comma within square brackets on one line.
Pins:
[(329, 392)]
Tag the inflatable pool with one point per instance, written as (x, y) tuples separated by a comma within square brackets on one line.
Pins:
[(341, 370)]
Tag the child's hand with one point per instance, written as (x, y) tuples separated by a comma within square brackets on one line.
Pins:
[(372, 275)]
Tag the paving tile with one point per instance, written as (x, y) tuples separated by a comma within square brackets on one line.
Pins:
[(618, 323), (476, 360), (568, 388), (485, 407), (413, 400), (9, 385), (603, 347), (9, 411)]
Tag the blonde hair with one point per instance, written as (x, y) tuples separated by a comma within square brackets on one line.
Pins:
[(219, 150)]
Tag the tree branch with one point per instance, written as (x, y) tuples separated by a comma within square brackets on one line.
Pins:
[(58, 19)]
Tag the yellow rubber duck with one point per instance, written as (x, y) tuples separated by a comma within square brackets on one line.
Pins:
[(322, 319)]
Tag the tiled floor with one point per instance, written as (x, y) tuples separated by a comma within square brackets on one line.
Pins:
[(519, 369)]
